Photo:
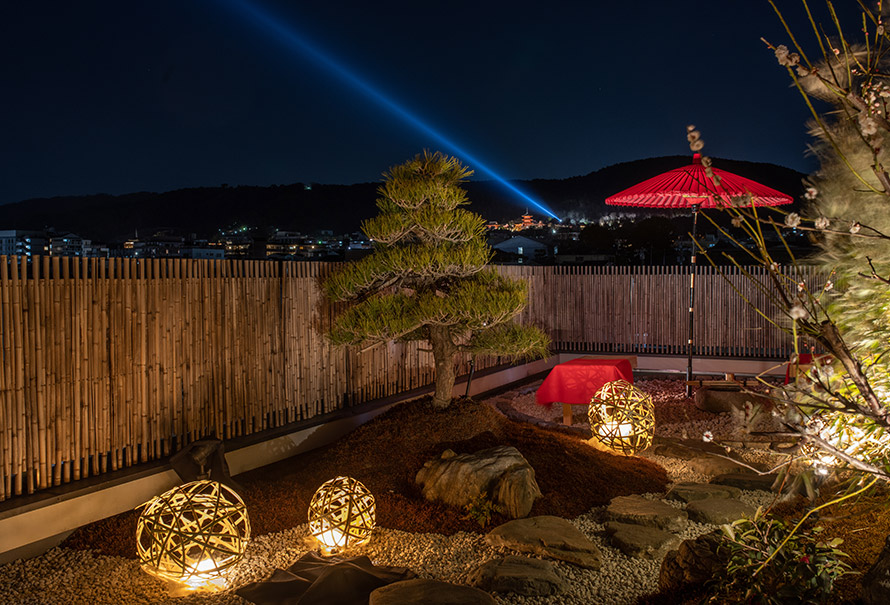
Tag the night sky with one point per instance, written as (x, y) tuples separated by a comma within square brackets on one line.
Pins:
[(116, 97)]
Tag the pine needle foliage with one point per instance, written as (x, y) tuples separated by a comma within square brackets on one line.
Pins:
[(428, 277)]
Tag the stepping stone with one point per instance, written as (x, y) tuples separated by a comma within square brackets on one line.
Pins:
[(429, 592), (522, 575), (651, 513), (718, 511), (547, 536), (641, 542), (747, 481), (711, 465), (687, 492), (684, 449)]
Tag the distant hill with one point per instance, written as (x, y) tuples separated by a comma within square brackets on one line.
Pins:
[(341, 208)]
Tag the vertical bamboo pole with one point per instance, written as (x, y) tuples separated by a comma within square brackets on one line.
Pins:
[(8, 418)]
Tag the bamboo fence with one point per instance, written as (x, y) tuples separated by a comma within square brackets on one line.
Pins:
[(107, 363)]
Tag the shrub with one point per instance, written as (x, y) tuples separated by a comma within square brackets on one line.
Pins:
[(766, 562)]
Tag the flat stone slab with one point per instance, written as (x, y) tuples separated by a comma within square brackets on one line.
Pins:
[(747, 481), (549, 537), (429, 592), (684, 449), (651, 513), (522, 575), (687, 492), (718, 511), (641, 542), (712, 465)]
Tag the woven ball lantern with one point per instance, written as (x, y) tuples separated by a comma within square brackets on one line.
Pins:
[(341, 514), (193, 534), (622, 417)]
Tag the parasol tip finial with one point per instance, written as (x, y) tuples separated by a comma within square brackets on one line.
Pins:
[(696, 158)]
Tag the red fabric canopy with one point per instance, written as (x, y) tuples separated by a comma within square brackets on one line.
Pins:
[(689, 185), (578, 380)]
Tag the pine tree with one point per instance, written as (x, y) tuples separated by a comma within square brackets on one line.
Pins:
[(428, 278)]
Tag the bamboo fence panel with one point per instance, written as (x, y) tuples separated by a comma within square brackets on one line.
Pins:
[(107, 363)]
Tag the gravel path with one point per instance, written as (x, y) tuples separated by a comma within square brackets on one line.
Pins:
[(64, 576)]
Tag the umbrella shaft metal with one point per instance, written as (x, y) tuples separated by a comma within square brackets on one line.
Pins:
[(690, 344)]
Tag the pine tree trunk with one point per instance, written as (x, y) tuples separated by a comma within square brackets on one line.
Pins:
[(443, 355)]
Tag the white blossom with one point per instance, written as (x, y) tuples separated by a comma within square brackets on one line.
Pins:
[(822, 223), (737, 221), (811, 193), (774, 266), (696, 145), (792, 220), (867, 124), (785, 58), (690, 128), (855, 227), (798, 312), (707, 436), (880, 29), (829, 285), (801, 287)]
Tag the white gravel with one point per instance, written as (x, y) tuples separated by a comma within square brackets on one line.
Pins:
[(64, 576), (70, 577)]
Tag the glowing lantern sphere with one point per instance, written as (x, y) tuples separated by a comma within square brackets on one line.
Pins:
[(193, 533), (622, 417), (341, 514)]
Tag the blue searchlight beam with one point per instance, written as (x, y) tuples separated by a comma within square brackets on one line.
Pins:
[(289, 38)]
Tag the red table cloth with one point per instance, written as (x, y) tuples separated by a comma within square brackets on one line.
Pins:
[(577, 381)]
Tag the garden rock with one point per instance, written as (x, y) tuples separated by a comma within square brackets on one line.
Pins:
[(522, 575), (500, 474), (687, 492), (718, 511), (641, 542), (549, 537), (694, 562), (876, 581), (429, 592), (720, 401), (747, 481), (651, 513)]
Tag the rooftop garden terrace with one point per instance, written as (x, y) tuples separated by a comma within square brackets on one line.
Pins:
[(771, 489)]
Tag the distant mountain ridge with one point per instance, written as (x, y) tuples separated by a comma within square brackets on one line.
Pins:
[(341, 208)]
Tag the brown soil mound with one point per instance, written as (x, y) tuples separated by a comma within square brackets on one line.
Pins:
[(386, 453)]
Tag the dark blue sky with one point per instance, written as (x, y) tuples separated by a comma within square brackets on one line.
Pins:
[(117, 97)]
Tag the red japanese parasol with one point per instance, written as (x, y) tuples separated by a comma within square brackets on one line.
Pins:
[(690, 187)]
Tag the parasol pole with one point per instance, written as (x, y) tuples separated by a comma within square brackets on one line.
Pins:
[(690, 343)]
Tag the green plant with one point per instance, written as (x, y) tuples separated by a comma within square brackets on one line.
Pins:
[(428, 280), (767, 562), (481, 509)]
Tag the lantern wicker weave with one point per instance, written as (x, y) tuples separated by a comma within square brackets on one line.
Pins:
[(622, 417), (341, 514), (193, 533)]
